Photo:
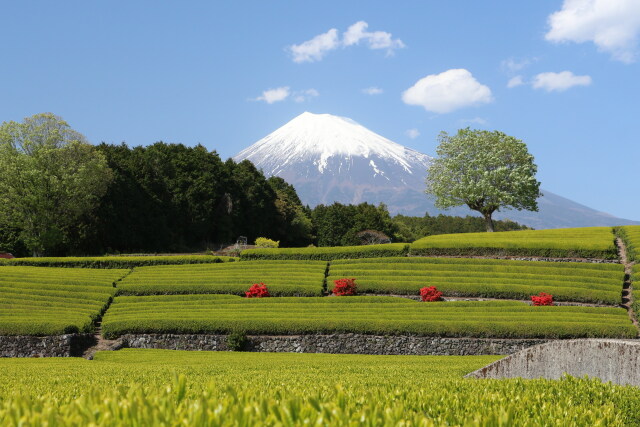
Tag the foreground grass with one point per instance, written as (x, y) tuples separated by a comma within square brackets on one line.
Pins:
[(156, 387)]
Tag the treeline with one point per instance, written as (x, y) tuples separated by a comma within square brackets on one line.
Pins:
[(59, 195)]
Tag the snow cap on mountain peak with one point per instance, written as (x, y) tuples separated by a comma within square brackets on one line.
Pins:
[(318, 137)]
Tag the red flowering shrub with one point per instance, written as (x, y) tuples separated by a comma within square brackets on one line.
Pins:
[(258, 290), (542, 299), (344, 287), (430, 294)]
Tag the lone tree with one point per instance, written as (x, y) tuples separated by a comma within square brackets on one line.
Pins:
[(49, 177), (485, 171)]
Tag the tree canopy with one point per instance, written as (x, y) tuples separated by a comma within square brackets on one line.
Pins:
[(486, 171), (50, 177)]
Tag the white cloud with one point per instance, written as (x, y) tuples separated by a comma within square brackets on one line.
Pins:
[(513, 65), (372, 90), (447, 91), (315, 49), (412, 133), (274, 95), (376, 39), (613, 25), (305, 95), (559, 82), (515, 81)]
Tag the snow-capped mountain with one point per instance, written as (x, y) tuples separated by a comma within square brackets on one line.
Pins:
[(334, 159)]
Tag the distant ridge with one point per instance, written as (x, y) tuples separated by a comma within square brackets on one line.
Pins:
[(330, 159)]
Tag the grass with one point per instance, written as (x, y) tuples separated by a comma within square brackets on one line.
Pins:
[(368, 315), (327, 253), (589, 242), (583, 282), (115, 261), (53, 301), (283, 278), (160, 387)]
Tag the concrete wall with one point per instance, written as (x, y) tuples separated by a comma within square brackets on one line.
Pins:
[(50, 346), (612, 360), (337, 344)]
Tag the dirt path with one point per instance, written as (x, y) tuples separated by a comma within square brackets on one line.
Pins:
[(102, 344), (627, 288)]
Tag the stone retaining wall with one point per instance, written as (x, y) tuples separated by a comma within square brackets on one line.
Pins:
[(337, 344), (50, 346), (612, 360)]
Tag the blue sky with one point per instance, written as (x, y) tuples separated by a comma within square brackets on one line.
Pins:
[(202, 72)]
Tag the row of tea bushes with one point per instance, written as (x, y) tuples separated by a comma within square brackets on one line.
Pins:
[(53, 301), (284, 278), (153, 387), (630, 234), (489, 278), (588, 242), (326, 253), (367, 315), (116, 261)]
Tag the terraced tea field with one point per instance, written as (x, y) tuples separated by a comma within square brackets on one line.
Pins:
[(367, 315), (153, 387), (53, 301), (299, 278), (631, 236), (583, 282), (589, 242), (115, 261)]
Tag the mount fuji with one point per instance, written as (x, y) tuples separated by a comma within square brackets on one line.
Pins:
[(334, 159)]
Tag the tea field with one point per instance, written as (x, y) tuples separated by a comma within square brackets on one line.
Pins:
[(567, 281), (359, 314), (161, 387)]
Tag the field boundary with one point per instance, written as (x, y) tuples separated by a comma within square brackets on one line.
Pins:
[(338, 344), (68, 345)]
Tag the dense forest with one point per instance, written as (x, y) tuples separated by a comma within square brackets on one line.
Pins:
[(173, 198)]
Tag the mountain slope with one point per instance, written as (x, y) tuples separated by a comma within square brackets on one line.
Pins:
[(334, 159)]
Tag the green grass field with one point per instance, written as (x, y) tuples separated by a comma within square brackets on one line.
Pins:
[(589, 242), (160, 387), (368, 315), (299, 278), (115, 261), (51, 301), (327, 253), (584, 282)]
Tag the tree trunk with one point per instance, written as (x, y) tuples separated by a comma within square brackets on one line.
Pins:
[(488, 221)]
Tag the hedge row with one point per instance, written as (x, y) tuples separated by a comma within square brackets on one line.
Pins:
[(52, 302), (283, 278), (635, 281), (630, 234), (368, 315), (116, 261), (589, 242), (594, 283), (327, 253)]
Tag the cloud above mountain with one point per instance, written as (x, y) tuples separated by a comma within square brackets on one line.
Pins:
[(612, 25), (447, 92), (316, 48), (559, 82)]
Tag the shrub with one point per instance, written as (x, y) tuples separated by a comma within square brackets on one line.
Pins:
[(430, 294), (258, 290), (344, 287), (263, 242), (237, 341), (542, 299)]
